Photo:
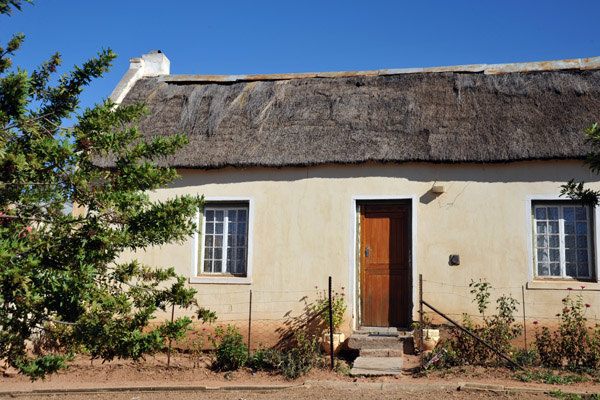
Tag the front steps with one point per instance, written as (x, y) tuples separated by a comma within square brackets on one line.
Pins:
[(380, 351)]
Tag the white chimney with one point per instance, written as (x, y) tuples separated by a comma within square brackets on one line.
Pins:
[(154, 63)]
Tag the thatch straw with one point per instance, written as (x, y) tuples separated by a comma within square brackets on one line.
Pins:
[(448, 117)]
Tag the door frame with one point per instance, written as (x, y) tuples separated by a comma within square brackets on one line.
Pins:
[(354, 267)]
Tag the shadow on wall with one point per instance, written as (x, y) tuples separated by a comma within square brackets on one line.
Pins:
[(525, 171)]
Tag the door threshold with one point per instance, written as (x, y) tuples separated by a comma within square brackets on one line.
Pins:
[(381, 330)]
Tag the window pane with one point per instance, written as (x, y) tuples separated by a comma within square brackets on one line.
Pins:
[(553, 213), (218, 240), (231, 227), (230, 241), (242, 215), (218, 253), (582, 256), (554, 269), (209, 215), (241, 228), (553, 227), (569, 227), (229, 253), (541, 227), (581, 228), (580, 213), (543, 269), (583, 270), (241, 240), (231, 214), (241, 253), (208, 241), (208, 254), (542, 255), (219, 215), (240, 266), (581, 242), (207, 264), (210, 228), (217, 266), (219, 228), (542, 241), (554, 241), (570, 255), (569, 213), (540, 213), (570, 242), (571, 270), (555, 255)]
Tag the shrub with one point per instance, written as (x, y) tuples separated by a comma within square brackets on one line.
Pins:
[(338, 307), (497, 330), (294, 362), (303, 357), (573, 344), (264, 359), (232, 352)]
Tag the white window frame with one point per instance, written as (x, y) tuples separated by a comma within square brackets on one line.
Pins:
[(197, 275), (594, 225)]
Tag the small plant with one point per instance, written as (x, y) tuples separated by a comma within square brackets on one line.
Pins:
[(497, 330), (231, 352), (302, 358), (426, 322), (526, 358), (481, 290), (573, 344), (549, 377), (338, 307), (194, 344), (264, 359)]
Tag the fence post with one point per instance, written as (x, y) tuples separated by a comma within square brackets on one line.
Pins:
[(249, 322), (524, 321), (421, 318), (331, 325), (169, 351)]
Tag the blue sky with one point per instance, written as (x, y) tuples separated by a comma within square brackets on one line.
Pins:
[(246, 37)]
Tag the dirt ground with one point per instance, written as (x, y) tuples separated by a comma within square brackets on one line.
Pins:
[(319, 383)]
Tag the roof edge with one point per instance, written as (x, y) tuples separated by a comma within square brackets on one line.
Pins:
[(489, 69)]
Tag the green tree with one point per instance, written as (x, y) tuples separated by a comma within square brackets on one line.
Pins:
[(577, 190), (60, 274)]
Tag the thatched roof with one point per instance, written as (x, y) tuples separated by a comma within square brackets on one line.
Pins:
[(442, 116)]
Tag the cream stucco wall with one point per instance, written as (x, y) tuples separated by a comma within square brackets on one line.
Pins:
[(305, 230)]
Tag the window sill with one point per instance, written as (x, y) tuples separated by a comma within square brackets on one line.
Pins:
[(227, 280), (563, 285)]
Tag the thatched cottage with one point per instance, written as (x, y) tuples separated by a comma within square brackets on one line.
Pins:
[(375, 177)]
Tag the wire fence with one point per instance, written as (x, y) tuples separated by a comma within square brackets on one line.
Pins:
[(544, 306), (269, 318), (265, 318)]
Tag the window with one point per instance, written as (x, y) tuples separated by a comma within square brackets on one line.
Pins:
[(224, 249), (562, 240)]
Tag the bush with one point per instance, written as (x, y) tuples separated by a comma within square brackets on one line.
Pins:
[(294, 362), (232, 352), (264, 359), (302, 358), (497, 330), (573, 344)]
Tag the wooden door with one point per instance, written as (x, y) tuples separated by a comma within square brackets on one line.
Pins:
[(385, 268)]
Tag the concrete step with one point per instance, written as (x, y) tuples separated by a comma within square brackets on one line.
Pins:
[(377, 366), (381, 352), (398, 341)]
